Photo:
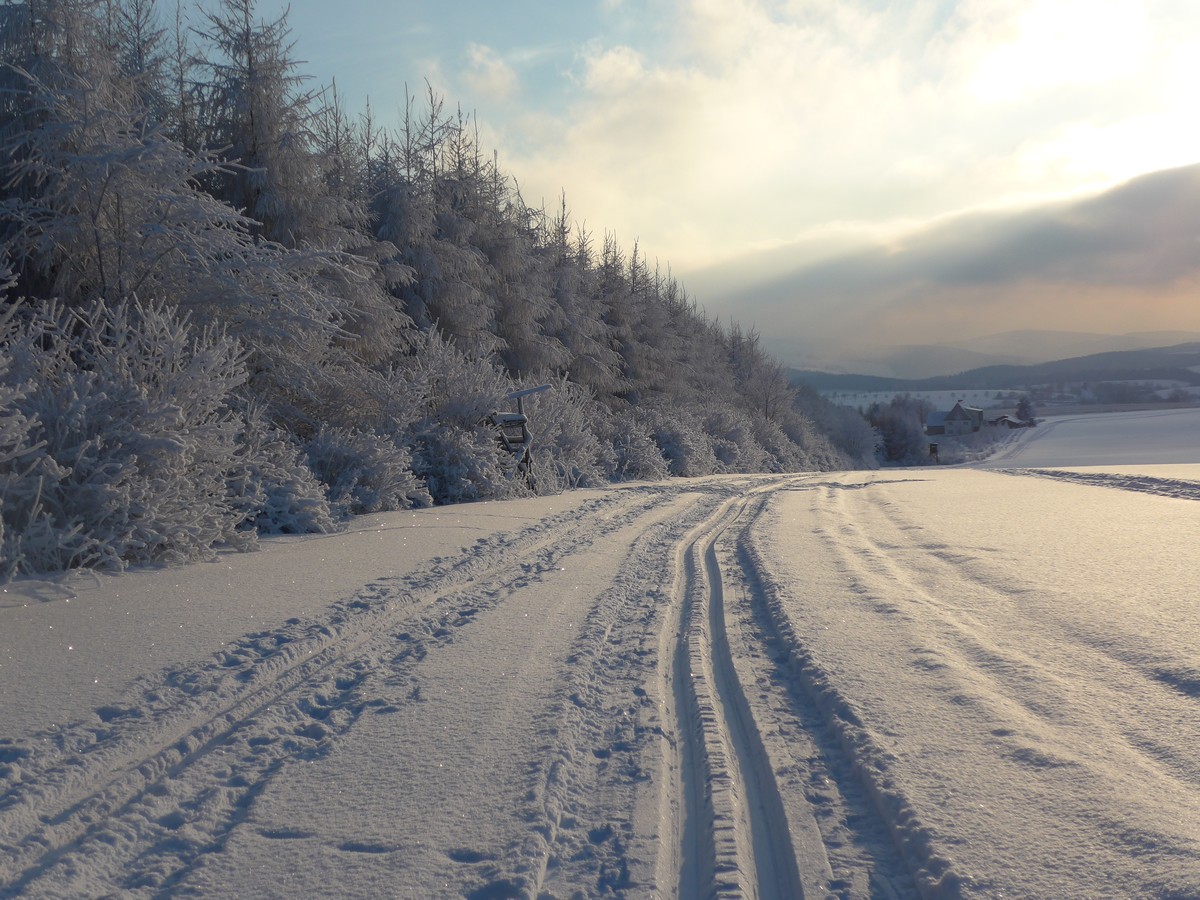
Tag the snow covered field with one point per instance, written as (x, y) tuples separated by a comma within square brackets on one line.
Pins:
[(936, 682)]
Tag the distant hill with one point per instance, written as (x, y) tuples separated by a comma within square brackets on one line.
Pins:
[(1010, 348), (1180, 362), (1047, 346)]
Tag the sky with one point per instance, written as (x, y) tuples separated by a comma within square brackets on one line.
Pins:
[(839, 174)]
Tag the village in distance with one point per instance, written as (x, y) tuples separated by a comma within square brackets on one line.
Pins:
[(959, 417)]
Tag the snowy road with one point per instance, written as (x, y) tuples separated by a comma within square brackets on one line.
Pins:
[(896, 684)]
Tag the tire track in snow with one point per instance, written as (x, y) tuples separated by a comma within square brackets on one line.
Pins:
[(855, 841), (601, 788), (165, 777), (729, 816)]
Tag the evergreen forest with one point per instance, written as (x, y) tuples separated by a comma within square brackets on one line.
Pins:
[(230, 307)]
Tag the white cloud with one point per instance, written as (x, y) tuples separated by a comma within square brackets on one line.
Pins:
[(755, 121), (490, 76), (617, 69), (1022, 50)]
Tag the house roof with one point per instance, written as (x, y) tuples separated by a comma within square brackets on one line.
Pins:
[(964, 412)]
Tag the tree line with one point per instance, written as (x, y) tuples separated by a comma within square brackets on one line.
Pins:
[(228, 307)]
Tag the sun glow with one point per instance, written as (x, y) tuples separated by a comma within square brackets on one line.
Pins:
[(1058, 44)]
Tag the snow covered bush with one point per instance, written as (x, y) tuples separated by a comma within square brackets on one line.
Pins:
[(734, 444), (18, 455), (782, 453), (636, 456), (126, 406), (846, 429), (365, 472), (272, 486), (462, 464), (454, 447), (567, 449), (682, 441)]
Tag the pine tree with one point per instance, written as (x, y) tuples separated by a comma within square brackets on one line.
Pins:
[(260, 114)]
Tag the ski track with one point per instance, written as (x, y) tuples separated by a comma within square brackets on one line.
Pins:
[(1176, 488), (130, 803), (841, 840), (767, 794), (865, 563), (652, 766), (746, 837), (886, 558), (682, 741)]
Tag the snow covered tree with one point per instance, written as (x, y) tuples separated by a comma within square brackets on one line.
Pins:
[(901, 427), (574, 321), (170, 194), (1026, 411), (258, 112)]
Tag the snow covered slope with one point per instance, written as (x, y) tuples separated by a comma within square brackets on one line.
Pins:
[(925, 682), (1152, 436)]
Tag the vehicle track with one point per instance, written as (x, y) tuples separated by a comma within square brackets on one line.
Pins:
[(165, 777)]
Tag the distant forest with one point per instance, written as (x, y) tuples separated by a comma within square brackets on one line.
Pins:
[(229, 307)]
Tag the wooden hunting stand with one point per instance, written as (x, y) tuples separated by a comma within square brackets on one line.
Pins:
[(512, 431)]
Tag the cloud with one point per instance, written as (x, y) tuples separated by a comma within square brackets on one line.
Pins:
[(1015, 50), (490, 76), (1143, 233), (618, 69), (748, 122), (1125, 260)]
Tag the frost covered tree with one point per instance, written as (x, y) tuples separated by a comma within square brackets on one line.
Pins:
[(174, 191), (574, 322), (103, 205), (262, 118), (901, 427), (1026, 411)]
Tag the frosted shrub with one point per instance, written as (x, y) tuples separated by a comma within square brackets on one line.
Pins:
[(460, 464), (454, 447), (848, 431), (782, 454), (458, 388), (682, 441), (734, 445), (818, 451), (365, 472), (19, 454), (273, 487), (636, 456), (567, 451), (128, 407)]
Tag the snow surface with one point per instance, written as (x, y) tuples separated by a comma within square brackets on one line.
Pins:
[(1132, 438), (957, 681)]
